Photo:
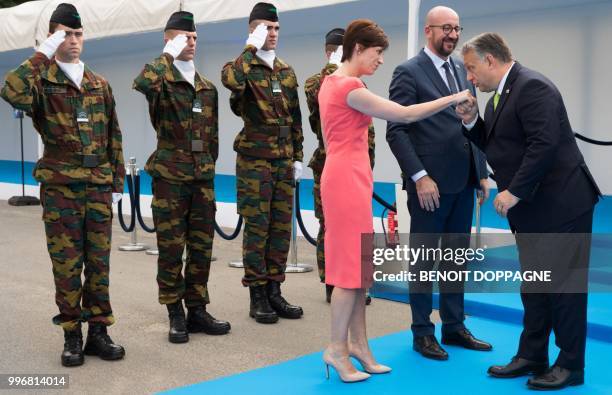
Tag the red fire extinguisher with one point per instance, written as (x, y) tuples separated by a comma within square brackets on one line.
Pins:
[(392, 226)]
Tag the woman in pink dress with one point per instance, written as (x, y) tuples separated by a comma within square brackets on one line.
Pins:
[(346, 108)]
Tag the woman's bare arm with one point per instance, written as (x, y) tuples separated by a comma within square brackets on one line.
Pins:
[(364, 101)]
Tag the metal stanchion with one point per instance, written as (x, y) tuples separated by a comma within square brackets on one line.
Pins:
[(133, 245), (22, 200), (294, 266)]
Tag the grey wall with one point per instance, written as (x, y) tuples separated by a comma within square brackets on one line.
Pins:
[(568, 43)]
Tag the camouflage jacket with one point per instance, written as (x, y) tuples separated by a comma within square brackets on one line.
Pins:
[(75, 125), (267, 100), (182, 116), (311, 88)]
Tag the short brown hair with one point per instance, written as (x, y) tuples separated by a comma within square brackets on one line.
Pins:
[(489, 43), (364, 32), (52, 27)]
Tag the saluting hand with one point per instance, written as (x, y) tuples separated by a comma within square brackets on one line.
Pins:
[(52, 43), (258, 37), (175, 46)]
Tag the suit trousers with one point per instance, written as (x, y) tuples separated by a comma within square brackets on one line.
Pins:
[(565, 313), (448, 226)]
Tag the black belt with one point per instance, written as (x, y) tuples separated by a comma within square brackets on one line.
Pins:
[(185, 145), (282, 131), (76, 158)]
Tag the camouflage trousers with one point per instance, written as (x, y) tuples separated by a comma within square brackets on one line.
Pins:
[(184, 215), (318, 206), (78, 223), (265, 200)]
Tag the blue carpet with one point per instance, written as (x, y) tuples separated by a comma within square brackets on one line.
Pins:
[(507, 307), (463, 373)]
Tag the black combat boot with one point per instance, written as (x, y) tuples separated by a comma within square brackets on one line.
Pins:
[(178, 330), (199, 320), (280, 305), (99, 343), (260, 306), (73, 348)]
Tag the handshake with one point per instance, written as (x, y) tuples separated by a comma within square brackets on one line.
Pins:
[(467, 107)]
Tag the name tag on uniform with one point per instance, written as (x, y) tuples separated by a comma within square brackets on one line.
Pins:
[(276, 86), (197, 106), (82, 117)]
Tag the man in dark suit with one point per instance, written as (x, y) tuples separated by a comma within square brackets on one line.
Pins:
[(545, 187), (441, 170)]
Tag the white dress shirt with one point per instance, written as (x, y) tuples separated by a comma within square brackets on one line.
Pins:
[(74, 71), (187, 70)]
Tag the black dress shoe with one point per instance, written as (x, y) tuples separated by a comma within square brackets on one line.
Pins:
[(260, 308), (283, 308), (178, 329), (73, 348), (99, 343), (429, 347), (465, 339), (199, 320), (518, 367), (556, 378)]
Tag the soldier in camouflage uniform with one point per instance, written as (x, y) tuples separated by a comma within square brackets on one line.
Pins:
[(269, 147), (81, 174), (183, 107), (333, 46)]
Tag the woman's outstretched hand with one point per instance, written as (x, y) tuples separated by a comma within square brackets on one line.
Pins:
[(463, 96)]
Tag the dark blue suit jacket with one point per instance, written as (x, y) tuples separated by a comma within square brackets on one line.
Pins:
[(435, 144), (531, 147)]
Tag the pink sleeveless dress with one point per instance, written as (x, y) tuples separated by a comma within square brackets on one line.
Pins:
[(346, 184)]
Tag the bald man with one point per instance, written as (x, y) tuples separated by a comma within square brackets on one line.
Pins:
[(441, 170)]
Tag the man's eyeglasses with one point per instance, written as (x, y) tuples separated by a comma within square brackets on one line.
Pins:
[(447, 29)]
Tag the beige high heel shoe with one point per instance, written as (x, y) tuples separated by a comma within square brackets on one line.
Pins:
[(372, 369), (344, 375)]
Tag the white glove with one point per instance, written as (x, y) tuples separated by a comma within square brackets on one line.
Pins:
[(297, 170), (175, 46), (258, 37), (336, 56), (116, 197), (52, 43)]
